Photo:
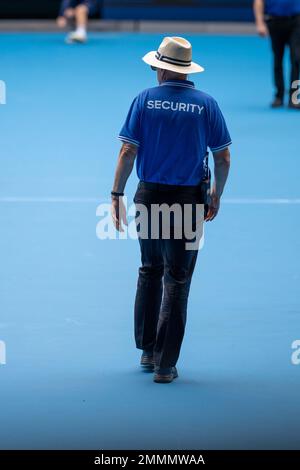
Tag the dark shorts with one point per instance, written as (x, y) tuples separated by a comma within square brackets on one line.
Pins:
[(92, 5)]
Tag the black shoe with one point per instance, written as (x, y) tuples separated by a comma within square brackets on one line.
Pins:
[(165, 375), (294, 105), (277, 103), (147, 360)]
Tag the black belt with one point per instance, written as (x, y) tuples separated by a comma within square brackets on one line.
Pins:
[(290, 17), (169, 187)]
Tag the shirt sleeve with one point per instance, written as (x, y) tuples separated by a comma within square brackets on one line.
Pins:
[(130, 132), (219, 137)]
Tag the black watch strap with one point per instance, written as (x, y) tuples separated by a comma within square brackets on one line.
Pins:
[(116, 194)]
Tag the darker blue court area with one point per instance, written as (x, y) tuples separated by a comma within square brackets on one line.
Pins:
[(71, 379), (180, 10)]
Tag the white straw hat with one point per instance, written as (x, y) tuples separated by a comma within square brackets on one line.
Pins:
[(173, 54)]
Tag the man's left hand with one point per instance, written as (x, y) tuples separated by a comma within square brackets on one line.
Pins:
[(213, 206)]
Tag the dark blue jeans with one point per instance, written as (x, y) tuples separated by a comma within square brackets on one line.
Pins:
[(164, 279)]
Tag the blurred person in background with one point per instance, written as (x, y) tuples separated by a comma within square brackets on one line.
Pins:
[(75, 14), (281, 20)]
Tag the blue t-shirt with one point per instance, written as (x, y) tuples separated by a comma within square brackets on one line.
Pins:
[(282, 7), (172, 125)]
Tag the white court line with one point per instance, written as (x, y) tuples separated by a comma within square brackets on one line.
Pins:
[(95, 200), (53, 199), (261, 201)]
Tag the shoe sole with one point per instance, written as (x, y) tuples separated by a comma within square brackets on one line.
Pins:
[(147, 364), (164, 379), (75, 41)]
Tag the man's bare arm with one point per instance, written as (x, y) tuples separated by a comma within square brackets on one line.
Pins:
[(221, 171), (124, 168), (258, 8)]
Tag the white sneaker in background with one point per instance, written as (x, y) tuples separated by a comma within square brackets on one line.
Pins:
[(77, 36)]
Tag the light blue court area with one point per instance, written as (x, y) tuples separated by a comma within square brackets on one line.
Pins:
[(72, 379)]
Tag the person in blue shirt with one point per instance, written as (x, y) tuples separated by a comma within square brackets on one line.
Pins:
[(76, 14), (281, 20), (168, 131)]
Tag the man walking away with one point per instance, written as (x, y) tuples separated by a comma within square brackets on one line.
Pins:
[(169, 128)]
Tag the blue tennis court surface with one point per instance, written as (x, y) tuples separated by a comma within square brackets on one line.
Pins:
[(72, 378)]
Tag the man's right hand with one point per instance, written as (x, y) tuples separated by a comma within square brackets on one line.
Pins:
[(262, 29), (118, 213), (61, 22)]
